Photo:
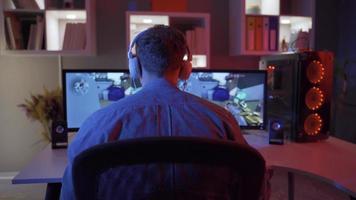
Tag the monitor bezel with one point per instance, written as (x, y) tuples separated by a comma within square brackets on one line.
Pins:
[(262, 127)]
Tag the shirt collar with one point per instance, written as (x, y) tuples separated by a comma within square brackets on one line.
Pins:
[(159, 83)]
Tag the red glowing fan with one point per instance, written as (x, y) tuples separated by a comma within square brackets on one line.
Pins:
[(314, 98), (315, 72), (313, 124)]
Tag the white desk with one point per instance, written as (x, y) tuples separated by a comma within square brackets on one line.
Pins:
[(46, 167), (332, 161)]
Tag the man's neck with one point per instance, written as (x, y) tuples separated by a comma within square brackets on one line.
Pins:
[(169, 77)]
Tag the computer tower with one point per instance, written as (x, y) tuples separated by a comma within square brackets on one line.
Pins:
[(300, 92)]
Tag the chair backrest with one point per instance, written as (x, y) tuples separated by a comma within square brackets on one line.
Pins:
[(245, 160)]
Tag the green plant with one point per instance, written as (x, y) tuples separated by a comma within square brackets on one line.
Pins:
[(44, 108)]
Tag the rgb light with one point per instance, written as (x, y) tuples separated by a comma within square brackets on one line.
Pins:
[(313, 124), (315, 72), (270, 68), (314, 98)]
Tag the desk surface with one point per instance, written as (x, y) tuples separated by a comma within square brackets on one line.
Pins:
[(332, 160)]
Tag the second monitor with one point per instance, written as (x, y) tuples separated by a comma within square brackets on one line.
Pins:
[(242, 93)]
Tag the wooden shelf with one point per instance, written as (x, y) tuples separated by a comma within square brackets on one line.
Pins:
[(24, 11), (26, 52), (248, 29), (55, 20)]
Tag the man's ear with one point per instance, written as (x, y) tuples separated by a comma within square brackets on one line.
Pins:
[(185, 70)]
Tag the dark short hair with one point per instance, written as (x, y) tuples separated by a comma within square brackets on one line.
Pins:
[(161, 47)]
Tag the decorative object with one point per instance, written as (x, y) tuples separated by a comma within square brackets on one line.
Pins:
[(45, 108)]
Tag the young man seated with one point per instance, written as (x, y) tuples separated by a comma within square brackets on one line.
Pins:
[(159, 57)]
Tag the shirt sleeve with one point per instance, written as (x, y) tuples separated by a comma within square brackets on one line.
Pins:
[(233, 130), (67, 191)]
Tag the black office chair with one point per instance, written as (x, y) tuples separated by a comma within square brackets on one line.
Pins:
[(245, 161)]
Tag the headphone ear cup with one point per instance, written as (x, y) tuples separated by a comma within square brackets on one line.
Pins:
[(134, 68), (185, 71)]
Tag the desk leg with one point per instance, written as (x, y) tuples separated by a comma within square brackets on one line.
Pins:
[(53, 191), (290, 186)]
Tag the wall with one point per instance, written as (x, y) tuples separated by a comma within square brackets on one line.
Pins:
[(19, 137), (345, 78), (335, 31), (22, 75)]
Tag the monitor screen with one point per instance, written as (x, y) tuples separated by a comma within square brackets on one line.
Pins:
[(86, 91), (240, 92)]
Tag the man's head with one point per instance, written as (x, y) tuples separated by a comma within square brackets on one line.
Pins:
[(160, 50)]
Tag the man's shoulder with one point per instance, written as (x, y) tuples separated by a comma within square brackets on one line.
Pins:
[(119, 106), (219, 110)]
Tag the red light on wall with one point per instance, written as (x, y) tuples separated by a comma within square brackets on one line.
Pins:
[(314, 98), (313, 124), (315, 72)]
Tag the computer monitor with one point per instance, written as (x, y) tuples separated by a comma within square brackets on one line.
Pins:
[(240, 92), (86, 91)]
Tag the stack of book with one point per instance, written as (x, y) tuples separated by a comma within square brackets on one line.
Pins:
[(196, 39), (22, 33), (35, 40), (74, 36), (261, 33)]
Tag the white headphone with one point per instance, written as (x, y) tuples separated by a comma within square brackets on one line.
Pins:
[(135, 68)]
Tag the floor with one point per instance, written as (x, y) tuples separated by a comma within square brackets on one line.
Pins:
[(307, 189)]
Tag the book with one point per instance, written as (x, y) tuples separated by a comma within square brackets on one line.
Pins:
[(10, 33), (67, 41), (191, 41), (32, 37), (39, 33), (265, 32), (81, 41), (14, 32), (273, 33), (259, 33), (74, 36), (188, 36), (26, 4), (200, 40), (250, 33)]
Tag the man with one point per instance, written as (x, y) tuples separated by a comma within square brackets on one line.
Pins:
[(158, 109)]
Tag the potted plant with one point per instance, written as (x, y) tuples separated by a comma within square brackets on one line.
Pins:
[(44, 108)]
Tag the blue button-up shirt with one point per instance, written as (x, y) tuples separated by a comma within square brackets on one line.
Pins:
[(158, 109)]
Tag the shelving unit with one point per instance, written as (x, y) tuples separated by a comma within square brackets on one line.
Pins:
[(262, 27), (196, 26), (48, 27)]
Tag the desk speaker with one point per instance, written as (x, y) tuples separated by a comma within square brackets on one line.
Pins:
[(276, 131), (59, 135)]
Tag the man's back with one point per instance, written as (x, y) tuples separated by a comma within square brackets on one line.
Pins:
[(159, 109)]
